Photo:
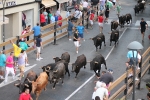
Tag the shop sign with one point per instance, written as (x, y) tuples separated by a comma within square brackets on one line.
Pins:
[(11, 3)]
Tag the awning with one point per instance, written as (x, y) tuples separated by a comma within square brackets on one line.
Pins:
[(6, 20), (48, 3), (62, 1)]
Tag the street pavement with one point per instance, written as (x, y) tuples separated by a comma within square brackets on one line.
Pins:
[(82, 87)]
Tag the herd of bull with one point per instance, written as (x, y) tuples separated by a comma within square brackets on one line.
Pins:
[(54, 71), (140, 6)]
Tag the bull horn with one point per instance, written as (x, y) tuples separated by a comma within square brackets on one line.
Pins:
[(29, 80), (54, 57), (26, 85), (46, 70), (41, 67), (49, 67), (55, 71), (96, 62)]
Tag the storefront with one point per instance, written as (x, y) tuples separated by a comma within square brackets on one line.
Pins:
[(13, 11)]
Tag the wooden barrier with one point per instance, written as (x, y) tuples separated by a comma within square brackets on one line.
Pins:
[(145, 65)]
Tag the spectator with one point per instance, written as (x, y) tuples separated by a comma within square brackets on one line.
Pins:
[(37, 31), (107, 13), (131, 59), (42, 19), (56, 19), (57, 12), (114, 3), (25, 95), (60, 23), (85, 5), (81, 30), (143, 25), (102, 5), (23, 20), (21, 63), (17, 51), (2, 64), (76, 15), (23, 33), (70, 28), (91, 19), (68, 14), (10, 66), (76, 41), (52, 19), (46, 16), (94, 2), (148, 96), (38, 47), (49, 16), (100, 22)]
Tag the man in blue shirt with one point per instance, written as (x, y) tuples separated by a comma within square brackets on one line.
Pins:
[(70, 28), (37, 31), (52, 19), (81, 30), (2, 64)]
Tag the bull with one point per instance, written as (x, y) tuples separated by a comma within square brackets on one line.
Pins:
[(114, 25), (79, 63), (65, 58), (26, 84), (40, 84), (47, 69), (114, 37), (57, 73), (96, 63), (98, 40), (122, 20), (128, 18), (139, 7)]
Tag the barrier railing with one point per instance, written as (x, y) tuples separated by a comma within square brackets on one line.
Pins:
[(46, 34), (145, 66)]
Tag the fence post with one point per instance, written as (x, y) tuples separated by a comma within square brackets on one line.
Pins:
[(55, 28), (139, 75), (126, 82), (83, 18), (97, 10)]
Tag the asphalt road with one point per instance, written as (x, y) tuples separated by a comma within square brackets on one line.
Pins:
[(76, 89)]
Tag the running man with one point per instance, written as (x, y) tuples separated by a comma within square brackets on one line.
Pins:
[(143, 25), (91, 19), (76, 41), (100, 22)]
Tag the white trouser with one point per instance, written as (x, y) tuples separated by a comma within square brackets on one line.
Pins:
[(9, 70)]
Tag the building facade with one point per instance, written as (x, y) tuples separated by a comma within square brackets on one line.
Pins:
[(14, 11)]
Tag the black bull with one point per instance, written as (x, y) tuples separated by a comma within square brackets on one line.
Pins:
[(26, 84), (98, 40), (139, 7), (114, 36), (95, 64), (114, 25)]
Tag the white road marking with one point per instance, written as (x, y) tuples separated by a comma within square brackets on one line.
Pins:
[(93, 74), (10, 77)]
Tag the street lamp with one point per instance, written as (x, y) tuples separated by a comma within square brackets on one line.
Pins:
[(3, 3), (134, 46)]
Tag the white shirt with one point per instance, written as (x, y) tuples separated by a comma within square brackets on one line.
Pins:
[(114, 0), (85, 4), (100, 92), (77, 14), (80, 14)]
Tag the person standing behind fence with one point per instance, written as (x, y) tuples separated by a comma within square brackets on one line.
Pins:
[(2, 64), (70, 29), (91, 19), (39, 46), (46, 16), (100, 22), (60, 23), (42, 19), (28, 31), (10, 66), (81, 30), (76, 41)]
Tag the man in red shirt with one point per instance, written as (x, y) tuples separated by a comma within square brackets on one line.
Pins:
[(60, 23), (100, 22), (42, 19), (25, 95), (91, 19)]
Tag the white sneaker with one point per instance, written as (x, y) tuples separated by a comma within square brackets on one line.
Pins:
[(76, 51), (37, 59), (70, 39), (40, 58), (27, 64), (136, 79)]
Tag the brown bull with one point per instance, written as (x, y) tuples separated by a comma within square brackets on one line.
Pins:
[(40, 83)]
